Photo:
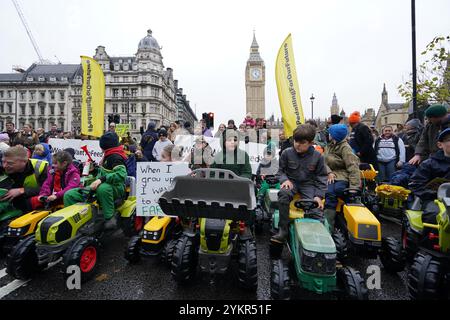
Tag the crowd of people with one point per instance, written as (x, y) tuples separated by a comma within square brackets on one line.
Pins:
[(317, 164)]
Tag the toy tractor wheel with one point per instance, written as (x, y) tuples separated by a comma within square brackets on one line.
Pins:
[(167, 252), (84, 254), (426, 278), (280, 288), (22, 261), (350, 284), (391, 255), (247, 268), (410, 240), (341, 245), (132, 252), (133, 225), (184, 260)]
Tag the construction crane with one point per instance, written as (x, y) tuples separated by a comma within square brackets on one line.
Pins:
[(27, 28)]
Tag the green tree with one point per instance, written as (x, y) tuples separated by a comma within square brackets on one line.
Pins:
[(433, 75)]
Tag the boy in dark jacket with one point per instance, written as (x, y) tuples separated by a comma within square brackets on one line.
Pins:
[(437, 166), (111, 177), (302, 170)]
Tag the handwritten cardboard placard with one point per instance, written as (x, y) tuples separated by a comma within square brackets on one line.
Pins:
[(153, 179), (93, 148)]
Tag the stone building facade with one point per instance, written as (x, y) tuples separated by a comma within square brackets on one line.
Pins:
[(255, 81), (390, 113)]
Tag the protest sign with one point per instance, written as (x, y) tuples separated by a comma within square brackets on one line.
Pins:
[(122, 129), (153, 179), (92, 145)]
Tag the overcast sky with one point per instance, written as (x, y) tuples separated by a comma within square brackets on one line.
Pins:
[(350, 47)]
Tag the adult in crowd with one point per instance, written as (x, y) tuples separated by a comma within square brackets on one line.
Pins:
[(25, 179), (172, 131), (284, 142), (53, 133), (411, 136), (188, 127), (249, 121), (148, 141), (222, 128), (374, 131), (362, 140), (112, 127), (206, 132), (438, 119), (201, 155), (28, 137), (320, 138), (231, 125), (42, 135), (12, 133), (390, 151), (160, 144)]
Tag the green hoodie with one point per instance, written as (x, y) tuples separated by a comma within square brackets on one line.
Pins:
[(238, 162), (341, 161)]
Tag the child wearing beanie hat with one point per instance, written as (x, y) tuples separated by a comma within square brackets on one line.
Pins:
[(343, 170), (355, 117), (110, 183)]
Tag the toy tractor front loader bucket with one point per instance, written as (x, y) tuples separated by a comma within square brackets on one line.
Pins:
[(210, 193)]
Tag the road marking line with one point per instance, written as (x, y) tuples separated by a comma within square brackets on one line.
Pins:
[(16, 284), (12, 286)]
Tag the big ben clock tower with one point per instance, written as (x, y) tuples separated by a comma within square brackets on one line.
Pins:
[(255, 80)]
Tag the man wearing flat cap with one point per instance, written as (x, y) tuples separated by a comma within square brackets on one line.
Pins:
[(438, 119)]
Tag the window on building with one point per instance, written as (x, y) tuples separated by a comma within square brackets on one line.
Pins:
[(124, 108), (125, 66), (1, 94), (42, 79), (52, 79), (144, 108), (32, 95), (42, 94), (22, 95), (115, 93), (63, 78), (385, 120), (115, 108), (133, 124), (61, 108), (133, 108), (124, 92), (155, 79), (29, 79), (155, 92), (22, 109), (32, 109), (10, 108), (134, 92), (62, 95), (52, 95), (2, 108), (144, 123), (116, 79), (42, 109), (52, 109), (116, 66), (61, 124), (42, 123)]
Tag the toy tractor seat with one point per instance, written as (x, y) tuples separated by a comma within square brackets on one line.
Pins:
[(444, 194), (210, 193), (273, 197)]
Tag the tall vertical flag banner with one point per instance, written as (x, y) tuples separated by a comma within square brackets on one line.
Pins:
[(93, 98), (288, 89)]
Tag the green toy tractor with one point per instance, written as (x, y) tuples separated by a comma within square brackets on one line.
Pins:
[(265, 211), (222, 204), (313, 255), (429, 273), (73, 233)]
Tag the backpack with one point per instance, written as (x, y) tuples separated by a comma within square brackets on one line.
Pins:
[(131, 165), (397, 149)]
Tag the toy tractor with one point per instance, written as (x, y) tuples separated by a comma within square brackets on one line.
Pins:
[(392, 202), (158, 238), (25, 226), (73, 233), (358, 233), (222, 203), (429, 274), (265, 212), (313, 257)]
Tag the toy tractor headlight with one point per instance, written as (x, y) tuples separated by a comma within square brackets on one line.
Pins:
[(17, 232), (152, 235), (307, 259)]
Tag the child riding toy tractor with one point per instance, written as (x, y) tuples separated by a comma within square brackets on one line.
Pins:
[(72, 233), (222, 203), (313, 255)]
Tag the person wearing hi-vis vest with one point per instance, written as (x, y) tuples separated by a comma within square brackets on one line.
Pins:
[(25, 178)]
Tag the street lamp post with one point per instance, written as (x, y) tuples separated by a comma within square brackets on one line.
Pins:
[(414, 69), (312, 106)]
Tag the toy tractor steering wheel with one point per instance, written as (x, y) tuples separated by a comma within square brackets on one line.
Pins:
[(306, 204), (271, 179), (352, 192)]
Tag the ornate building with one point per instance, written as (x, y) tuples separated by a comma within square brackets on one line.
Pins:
[(255, 80), (43, 95), (369, 117), (334, 105), (138, 87), (184, 110), (390, 113)]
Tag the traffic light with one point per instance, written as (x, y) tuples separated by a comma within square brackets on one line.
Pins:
[(110, 118), (211, 120), (117, 118)]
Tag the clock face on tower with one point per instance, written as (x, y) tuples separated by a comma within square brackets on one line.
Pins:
[(255, 74)]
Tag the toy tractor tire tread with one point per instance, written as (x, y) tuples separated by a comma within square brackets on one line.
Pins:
[(132, 252), (184, 260), (73, 255), (350, 284), (167, 251), (280, 288), (341, 245), (426, 278), (392, 255), (22, 261), (247, 265), (410, 240)]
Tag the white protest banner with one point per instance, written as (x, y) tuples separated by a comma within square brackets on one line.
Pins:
[(153, 179), (188, 141), (92, 145)]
